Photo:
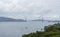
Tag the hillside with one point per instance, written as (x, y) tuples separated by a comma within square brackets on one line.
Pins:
[(5, 19), (49, 31)]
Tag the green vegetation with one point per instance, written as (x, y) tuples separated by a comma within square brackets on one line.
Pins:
[(49, 31)]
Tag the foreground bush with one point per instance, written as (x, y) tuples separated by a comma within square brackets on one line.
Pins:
[(49, 31)]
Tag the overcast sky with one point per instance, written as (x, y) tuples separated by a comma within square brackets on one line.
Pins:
[(31, 9)]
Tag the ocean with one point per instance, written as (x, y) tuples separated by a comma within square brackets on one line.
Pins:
[(17, 29)]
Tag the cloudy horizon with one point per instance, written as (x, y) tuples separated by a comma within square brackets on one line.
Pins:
[(30, 9)]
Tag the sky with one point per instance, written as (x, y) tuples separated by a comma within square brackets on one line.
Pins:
[(30, 9)]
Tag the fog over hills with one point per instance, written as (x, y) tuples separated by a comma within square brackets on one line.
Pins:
[(5, 19), (30, 9)]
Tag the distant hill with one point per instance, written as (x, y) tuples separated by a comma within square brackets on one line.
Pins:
[(37, 20), (5, 19), (46, 20)]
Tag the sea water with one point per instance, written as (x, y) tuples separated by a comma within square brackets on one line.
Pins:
[(17, 29)]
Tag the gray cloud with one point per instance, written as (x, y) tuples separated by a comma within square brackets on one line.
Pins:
[(29, 8)]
